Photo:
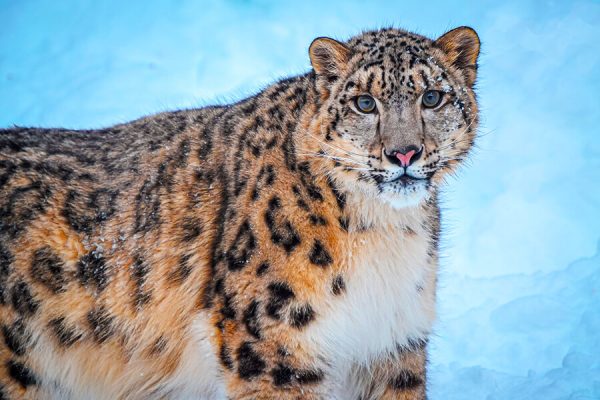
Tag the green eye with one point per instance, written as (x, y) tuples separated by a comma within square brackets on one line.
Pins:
[(432, 98), (365, 103)]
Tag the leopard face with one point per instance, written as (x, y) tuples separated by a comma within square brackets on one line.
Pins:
[(398, 113)]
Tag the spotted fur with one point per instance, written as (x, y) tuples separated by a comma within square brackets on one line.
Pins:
[(265, 249)]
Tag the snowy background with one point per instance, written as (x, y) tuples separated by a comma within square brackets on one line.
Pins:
[(520, 283)]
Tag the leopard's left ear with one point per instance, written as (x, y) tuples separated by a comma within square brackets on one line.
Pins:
[(329, 57), (461, 46)]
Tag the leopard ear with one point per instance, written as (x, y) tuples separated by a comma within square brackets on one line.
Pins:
[(328, 57), (461, 46)]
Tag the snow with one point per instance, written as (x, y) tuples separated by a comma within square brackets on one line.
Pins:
[(519, 306), (520, 336)]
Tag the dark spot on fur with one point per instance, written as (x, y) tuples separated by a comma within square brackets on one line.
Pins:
[(344, 223), (219, 286), (242, 248), (3, 395), (147, 210), (250, 364), (22, 300), (225, 357), (262, 269), (182, 154), (16, 337), (101, 323), (192, 228), (183, 270), (228, 311), (282, 232), (139, 274), (308, 376), (48, 269), (319, 255), (280, 293), (266, 177), (66, 335), (85, 211), (303, 204), (21, 206), (21, 373), (159, 345), (282, 351), (284, 374), (301, 316), (340, 197), (289, 151), (318, 220), (206, 142), (92, 270), (307, 179), (251, 319), (338, 286), (6, 260)]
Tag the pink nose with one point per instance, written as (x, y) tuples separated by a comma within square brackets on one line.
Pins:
[(405, 158)]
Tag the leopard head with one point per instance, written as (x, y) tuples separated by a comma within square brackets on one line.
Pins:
[(397, 111)]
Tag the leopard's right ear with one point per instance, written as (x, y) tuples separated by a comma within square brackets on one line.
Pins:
[(328, 57)]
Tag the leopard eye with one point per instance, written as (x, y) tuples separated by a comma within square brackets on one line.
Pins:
[(432, 98), (365, 103)]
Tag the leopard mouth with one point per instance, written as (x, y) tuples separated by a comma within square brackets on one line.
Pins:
[(405, 185), (408, 180)]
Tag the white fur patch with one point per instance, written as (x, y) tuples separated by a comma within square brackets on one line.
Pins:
[(405, 198), (389, 297), (197, 376)]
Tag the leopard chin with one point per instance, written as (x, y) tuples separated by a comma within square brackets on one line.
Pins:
[(405, 195)]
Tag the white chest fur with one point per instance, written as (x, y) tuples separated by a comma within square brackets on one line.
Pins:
[(389, 297)]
